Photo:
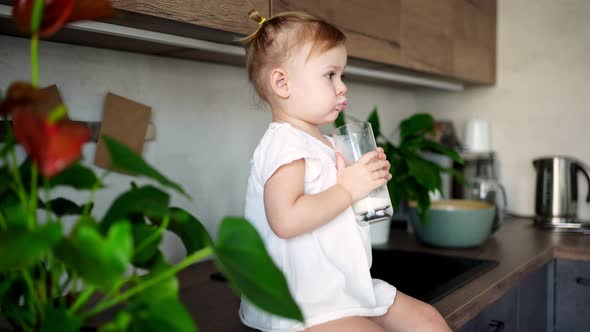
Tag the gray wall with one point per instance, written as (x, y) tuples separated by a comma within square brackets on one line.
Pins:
[(207, 119), (540, 103)]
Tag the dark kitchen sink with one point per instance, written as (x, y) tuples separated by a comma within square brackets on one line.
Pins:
[(427, 277)]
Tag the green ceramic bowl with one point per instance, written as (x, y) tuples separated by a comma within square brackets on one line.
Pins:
[(454, 223)]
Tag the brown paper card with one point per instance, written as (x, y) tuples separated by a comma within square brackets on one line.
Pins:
[(51, 98), (124, 120)]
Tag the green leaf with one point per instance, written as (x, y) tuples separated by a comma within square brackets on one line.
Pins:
[(125, 159), (76, 176), (425, 172), (147, 200), (99, 261), (457, 175), (15, 215), (242, 257), (21, 248), (162, 315), (6, 282), (189, 229), (119, 324), (374, 121), (7, 145), (59, 319), (339, 120), (167, 288), (62, 207), (5, 180), (420, 194), (428, 145), (146, 239), (418, 123)]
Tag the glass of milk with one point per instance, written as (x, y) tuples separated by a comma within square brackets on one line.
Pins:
[(354, 140)]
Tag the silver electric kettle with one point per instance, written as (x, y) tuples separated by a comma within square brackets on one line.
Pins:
[(556, 193)]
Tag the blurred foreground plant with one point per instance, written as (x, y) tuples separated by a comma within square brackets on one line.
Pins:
[(48, 275)]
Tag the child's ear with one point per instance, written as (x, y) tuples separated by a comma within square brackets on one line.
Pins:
[(279, 82)]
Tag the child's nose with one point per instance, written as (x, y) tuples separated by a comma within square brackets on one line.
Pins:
[(341, 88)]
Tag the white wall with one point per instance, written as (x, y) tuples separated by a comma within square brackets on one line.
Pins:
[(207, 119), (540, 105)]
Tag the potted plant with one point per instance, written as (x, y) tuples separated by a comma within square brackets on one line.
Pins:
[(413, 176), (57, 280)]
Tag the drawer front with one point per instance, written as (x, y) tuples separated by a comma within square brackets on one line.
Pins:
[(572, 296), (500, 316), (535, 300)]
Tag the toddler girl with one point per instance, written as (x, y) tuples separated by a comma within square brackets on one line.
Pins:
[(300, 193)]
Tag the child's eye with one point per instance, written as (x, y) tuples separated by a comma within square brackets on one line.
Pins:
[(330, 75)]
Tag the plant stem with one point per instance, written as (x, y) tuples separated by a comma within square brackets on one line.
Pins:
[(35, 60), (81, 300), (3, 224), (154, 235), (189, 260), (43, 283), (31, 286), (91, 198), (19, 184), (33, 198), (47, 198)]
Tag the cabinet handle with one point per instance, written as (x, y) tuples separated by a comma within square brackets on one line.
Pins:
[(497, 324), (583, 281)]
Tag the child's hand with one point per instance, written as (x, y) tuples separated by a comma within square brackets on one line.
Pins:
[(365, 175)]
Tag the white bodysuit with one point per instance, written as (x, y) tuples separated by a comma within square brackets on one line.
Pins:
[(327, 269)]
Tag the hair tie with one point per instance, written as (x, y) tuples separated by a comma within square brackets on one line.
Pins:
[(262, 21)]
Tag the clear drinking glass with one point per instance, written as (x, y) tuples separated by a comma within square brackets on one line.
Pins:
[(354, 140)]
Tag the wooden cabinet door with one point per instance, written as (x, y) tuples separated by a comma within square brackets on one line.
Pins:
[(427, 35), (474, 40), (572, 296), (227, 15), (372, 28)]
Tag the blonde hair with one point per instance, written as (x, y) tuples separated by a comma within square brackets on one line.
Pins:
[(266, 49)]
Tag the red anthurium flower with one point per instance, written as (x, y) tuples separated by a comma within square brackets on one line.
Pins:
[(57, 13), (19, 94), (52, 146)]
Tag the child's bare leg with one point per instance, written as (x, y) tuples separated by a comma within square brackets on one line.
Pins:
[(408, 314), (347, 324)]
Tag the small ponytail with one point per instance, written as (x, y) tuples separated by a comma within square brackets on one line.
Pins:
[(255, 16)]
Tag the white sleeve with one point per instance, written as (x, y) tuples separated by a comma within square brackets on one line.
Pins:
[(284, 147)]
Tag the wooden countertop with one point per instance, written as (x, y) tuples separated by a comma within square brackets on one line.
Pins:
[(519, 248)]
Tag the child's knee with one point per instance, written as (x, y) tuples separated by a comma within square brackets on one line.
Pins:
[(433, 320)]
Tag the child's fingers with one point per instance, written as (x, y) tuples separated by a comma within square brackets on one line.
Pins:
[(340, 164), (381, 153), (380, 175), (367, 157), (378, 165)]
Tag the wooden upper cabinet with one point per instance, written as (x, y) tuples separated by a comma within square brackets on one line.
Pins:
[(427, 35), (372, 28), (450, 38), (474, 40), (227, 15)]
